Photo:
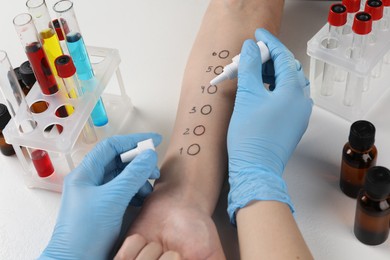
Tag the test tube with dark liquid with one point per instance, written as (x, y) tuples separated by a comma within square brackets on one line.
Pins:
[(20, 112), (78, 51)]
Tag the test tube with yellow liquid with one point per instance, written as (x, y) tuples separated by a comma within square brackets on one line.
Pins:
[(48, 37)]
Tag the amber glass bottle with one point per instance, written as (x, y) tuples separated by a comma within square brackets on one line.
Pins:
[(5, 148), (372, 208), (358, 154)]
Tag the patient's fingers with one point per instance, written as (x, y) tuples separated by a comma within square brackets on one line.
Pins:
[(131, 247)]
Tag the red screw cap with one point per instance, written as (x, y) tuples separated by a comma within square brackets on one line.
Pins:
[(352, 5), (65, 66), (337, 15), (375, 8), (362, 23), (386, 2)]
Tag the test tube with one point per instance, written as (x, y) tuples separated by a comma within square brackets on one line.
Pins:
[(46, 31), (27, 33), (61, 38), (20, 112), (353, 7), (337, 18), (362, 4), (375, 8), (78, 51), (361, 27), (67, 72), (28, 36), (386, 25)]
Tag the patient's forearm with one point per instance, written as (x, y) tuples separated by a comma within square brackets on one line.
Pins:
[(268, 229), (196, 160)]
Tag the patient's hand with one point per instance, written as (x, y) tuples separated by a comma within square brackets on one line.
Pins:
[(170, 219)]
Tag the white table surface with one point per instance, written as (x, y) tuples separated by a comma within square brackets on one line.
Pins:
[(154, 39)]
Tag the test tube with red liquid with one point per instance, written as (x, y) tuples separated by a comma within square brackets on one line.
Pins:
[(28, 36), (20, 112)]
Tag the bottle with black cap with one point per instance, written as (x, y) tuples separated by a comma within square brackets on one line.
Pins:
[(27, 74), (358, 155), (372, 208), (5, 117)]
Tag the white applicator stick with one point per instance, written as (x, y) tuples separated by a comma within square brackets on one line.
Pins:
[(141, 146)]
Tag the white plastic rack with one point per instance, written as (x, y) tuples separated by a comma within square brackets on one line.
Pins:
[(376, 87), (66, 149)]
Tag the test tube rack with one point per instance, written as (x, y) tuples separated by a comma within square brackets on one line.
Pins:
[(66, 149), (377, 87)]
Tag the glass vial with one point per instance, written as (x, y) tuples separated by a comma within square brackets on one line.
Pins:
[(78, 51), (372, 209), (353, 7), (67, 73), (5, 117), (358, 155), (375, 8), (21, 114), (337, 18), (362, 26)]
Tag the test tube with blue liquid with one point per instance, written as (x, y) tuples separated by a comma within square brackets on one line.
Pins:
[(78, 51)]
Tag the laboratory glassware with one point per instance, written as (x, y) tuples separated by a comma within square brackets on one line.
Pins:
[(67, 73), (5, 148), (337, 18), (353, 6), (362, 26), (17, 105), (358, 155), (78, 51), (372, 215), (375, 8)]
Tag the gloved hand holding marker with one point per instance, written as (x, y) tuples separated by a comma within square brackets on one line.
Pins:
[(230, 70)]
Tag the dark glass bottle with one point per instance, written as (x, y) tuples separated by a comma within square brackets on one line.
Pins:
[(359, 154), (5, 148), (372, 208), (27, 74)]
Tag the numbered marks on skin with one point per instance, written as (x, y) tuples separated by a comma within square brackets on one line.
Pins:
[(191, 150)]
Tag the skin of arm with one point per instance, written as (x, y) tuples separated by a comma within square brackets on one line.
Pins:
[(277, 224), (178, 213)]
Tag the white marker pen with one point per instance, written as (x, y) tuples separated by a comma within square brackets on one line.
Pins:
[(230, 70), (141, 146)]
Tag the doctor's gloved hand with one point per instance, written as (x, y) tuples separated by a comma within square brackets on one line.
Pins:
[(96, 195), (266, 125)]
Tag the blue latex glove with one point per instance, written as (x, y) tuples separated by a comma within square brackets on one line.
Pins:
[(92, 207), (266, 126)]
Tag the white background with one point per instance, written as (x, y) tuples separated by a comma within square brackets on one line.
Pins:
[(154, 39)]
